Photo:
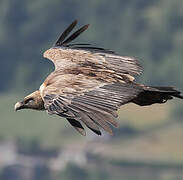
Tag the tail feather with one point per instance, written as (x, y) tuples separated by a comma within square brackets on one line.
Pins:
[(152, 94)]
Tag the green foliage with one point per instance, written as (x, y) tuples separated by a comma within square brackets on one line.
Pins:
[(150, 30)]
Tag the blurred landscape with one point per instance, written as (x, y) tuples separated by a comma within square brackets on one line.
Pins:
[(147, 145)]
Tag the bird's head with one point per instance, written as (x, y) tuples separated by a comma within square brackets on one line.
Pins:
[(32, 101)]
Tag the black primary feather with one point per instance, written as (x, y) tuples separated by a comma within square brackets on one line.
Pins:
[(77, 125), (75, 35), (66, 33), (85, 46)]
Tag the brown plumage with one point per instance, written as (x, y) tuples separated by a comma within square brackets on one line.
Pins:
[(89, 85)]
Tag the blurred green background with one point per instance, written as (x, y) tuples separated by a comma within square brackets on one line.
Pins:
[(148, 144)]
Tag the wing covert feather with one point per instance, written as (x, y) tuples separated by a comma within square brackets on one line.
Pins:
[(68, 58)]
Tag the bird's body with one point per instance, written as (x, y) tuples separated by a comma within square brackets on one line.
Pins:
[(89, 84)]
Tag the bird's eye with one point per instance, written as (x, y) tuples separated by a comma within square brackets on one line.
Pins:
[(29, 101)]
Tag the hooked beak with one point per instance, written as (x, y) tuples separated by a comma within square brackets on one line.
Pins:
[(18, 106)]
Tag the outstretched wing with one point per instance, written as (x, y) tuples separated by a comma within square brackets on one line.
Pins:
[(64, 53), (89, 84), (83, 99)]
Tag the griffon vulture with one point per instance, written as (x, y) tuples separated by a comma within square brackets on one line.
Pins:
[(90, 84)]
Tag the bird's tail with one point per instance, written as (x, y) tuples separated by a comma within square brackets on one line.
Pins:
[(152, 94)]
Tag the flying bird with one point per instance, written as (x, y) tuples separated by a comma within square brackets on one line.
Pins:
[(89, 84)]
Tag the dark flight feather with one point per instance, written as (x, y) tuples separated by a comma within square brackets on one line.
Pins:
[(65, 33), (77, 125), (75, 35), (108, 116)]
